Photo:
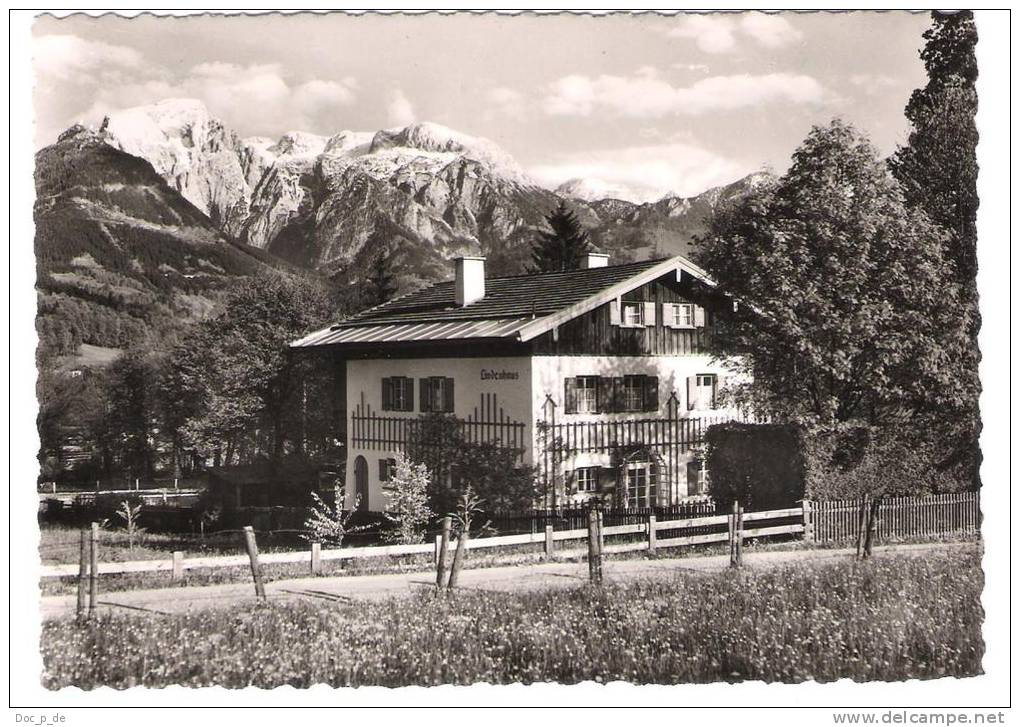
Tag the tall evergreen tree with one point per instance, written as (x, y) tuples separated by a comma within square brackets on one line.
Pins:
[(937, 170), (380, 286), (938, 167), (563, 247)]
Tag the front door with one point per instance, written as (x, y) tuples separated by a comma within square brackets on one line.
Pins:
[(361, 482), (641, 484)]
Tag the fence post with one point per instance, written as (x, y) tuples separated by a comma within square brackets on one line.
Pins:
[(83, 571), (594, 547), (458, 558), (178, 563), (253, 557), (862, 522), (175, 483), (731, 522), (740, 534), (93, 568), (809, 524), (651, 533), (443, 542), (549, 543), (316, 559), (872, 518)]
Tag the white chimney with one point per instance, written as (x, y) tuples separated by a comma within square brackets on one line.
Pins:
[(470, 280), (595, 260)]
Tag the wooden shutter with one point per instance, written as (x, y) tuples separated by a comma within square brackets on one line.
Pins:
[(384, 470), (699, 317), (598, 479), (604, 395), (715, 391), (618, 393), (692, 389), (425, 394), (648, 315), (387, 393), (614, 312), (448, 395), (651, 396), (570, 395)]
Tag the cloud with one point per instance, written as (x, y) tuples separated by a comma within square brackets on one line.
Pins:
[(711, 33), (769, 30), (648, 96), (506, 101), (70, 58), (258, 97), (873, 83), (648, 171), (400, 110), (720, 33)]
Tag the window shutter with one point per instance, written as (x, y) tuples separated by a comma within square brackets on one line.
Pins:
[(570, 395), (387, 393), (668, 315), (715, 392), (651, 398), (648, 315), (614, 312), (699, 317), (598, 478), (425, 390), (384, 470), (692, 389), (618, 393), (604, 395), (448, 395)]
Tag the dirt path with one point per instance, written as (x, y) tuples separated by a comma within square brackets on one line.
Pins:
[(507, 579)]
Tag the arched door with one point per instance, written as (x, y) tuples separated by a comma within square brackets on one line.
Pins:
[(361, 482)]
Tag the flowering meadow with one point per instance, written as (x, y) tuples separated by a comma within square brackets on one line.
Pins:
[(894, 617)]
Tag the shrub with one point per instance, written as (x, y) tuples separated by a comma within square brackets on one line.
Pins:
[(761, 465), (408, 508)]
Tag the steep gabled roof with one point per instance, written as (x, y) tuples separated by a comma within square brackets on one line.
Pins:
[(516, 308)]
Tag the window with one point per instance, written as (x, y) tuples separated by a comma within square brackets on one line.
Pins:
[(633, 393), (632, 314), (678, 315), (697, 477), (701, 391), (386, 469), (436, 394), (587, 479), (587, 394), (397, 394), (642, 484)]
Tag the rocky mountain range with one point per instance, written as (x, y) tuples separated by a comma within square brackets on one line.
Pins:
[(425, 192), (148, 215)]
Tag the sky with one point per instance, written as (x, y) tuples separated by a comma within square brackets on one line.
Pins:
[(648, 104)]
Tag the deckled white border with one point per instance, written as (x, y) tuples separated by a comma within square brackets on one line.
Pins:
[(987, 691)]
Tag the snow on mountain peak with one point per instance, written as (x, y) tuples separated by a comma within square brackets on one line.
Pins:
[(592, 189), (299, 144)]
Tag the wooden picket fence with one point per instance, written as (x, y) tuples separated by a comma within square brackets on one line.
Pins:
[(898, 517)]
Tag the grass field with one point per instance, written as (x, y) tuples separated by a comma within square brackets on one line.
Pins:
[(895, 617)]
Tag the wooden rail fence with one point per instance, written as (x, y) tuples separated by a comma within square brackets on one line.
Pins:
[(956, 513)]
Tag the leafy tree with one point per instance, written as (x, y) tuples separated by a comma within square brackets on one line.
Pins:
[(846, 310), (408, 508), (490, 469), (380, 286), (131, 411), (242, 386), (563, 247)]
